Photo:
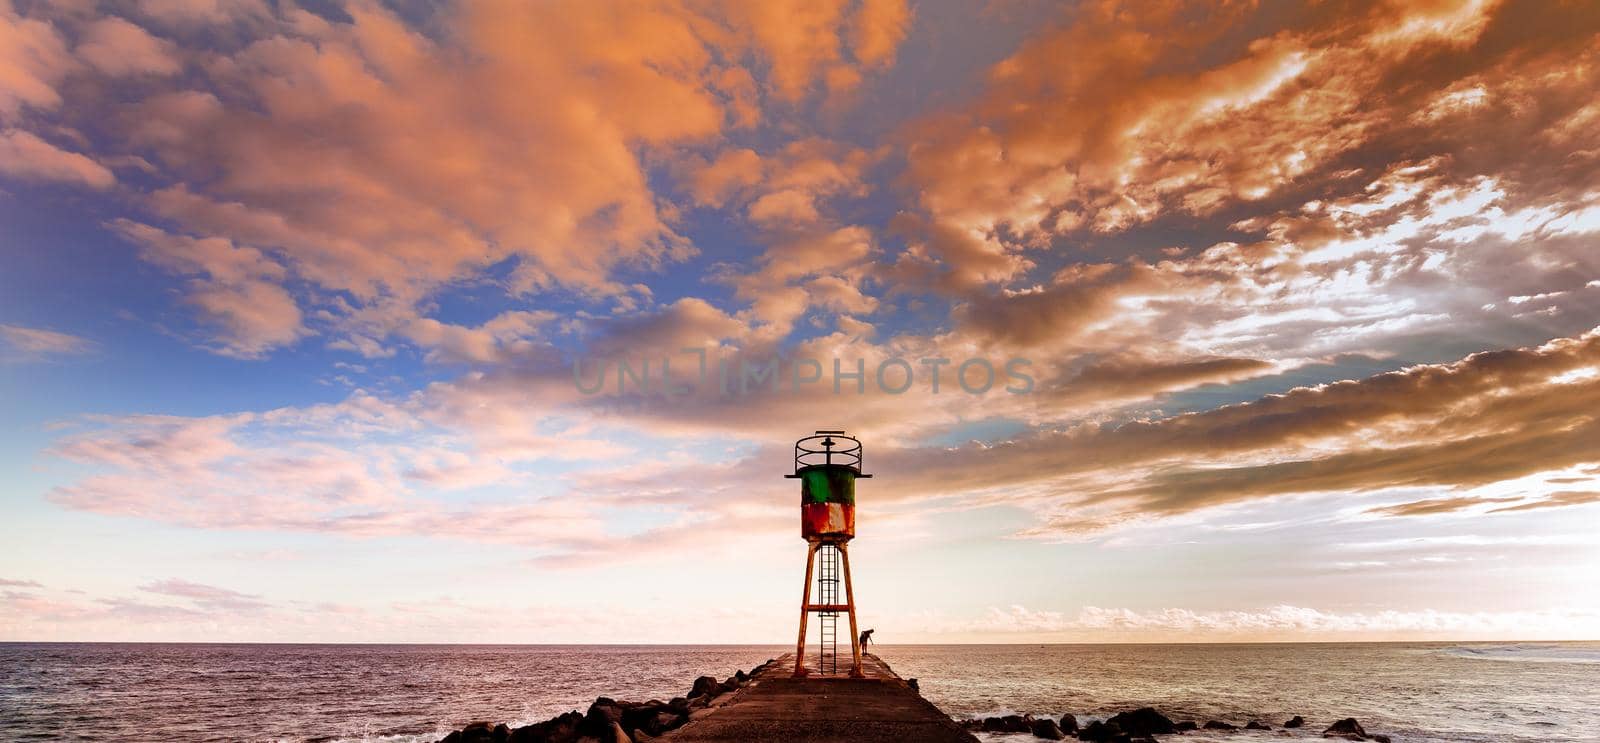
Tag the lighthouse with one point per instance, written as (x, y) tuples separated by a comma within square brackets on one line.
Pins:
[(827, 464)]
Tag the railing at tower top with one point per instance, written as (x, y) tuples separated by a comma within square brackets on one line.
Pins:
[(828, 448)]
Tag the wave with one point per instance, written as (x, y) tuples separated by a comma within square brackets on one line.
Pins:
[(1528, 653)]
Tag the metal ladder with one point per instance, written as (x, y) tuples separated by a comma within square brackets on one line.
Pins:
[(828, 621)]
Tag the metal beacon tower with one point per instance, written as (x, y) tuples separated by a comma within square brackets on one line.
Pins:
[(827, 465)]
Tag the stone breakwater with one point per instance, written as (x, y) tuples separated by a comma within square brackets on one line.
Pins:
[(1142, 725), (610, 721)]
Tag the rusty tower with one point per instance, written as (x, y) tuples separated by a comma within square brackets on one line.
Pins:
[(827, 465)]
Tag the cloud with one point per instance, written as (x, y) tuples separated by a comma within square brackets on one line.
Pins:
[(1557, 499), (33, 60), (236, 288), (116, 47), (511, 138), (1169, 112), (27, 157), (1437, 505), (13, 583), (1271, 623), (877, 30), (1491, 417), (37, 343), (204, 596)]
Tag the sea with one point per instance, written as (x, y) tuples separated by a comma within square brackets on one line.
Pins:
[(1422, 692)]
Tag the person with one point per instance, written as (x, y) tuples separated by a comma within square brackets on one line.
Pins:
[(866, 638)]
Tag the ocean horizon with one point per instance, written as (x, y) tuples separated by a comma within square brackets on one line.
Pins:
[(416, 693)]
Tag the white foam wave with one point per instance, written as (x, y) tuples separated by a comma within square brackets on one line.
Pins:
[(1528, 653)]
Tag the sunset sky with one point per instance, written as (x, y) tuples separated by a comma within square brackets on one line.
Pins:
[(291, 296)]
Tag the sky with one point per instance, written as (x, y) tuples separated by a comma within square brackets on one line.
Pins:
[(346, 321)]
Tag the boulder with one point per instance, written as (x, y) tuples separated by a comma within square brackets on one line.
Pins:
[(1186, 726), (480, 732), (597, 722), (1101, 732), (913, 684), (1295, 722), (1008, 724), (1218, 725), (705, 686), (1348, 728), (618, 735), (1144, 721), (634, 715), (1069, 724), (664, 721), (560, 729), (1256, 725), (1047, 728)]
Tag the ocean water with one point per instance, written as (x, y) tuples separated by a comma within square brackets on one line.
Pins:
[(405, 693)]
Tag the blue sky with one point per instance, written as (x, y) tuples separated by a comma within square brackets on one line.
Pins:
[(290, 297)]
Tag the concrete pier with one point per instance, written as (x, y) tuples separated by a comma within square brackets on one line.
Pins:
[(881, 708)]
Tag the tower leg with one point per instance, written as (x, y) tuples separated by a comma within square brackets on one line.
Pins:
[(805, 610), (850, 599)]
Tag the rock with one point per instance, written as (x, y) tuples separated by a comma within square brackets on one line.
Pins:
[(664, 721), (1256, 725), (1379, 738), (1101, 732), (913, 684), (678, 704), (1008, 724), (1295, 722), (597, 722), (1186, 726), (561, 729), (741, 676), (1069, 724), (1144, 721), (618, 735), (1347, 728), (479, 732), (1218, 725), (705, 686), (1048, 729)]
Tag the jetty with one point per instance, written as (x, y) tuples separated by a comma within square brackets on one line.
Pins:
[(776, 705)]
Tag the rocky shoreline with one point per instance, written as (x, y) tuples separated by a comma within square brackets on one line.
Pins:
[(1143, 724), (610, 721)]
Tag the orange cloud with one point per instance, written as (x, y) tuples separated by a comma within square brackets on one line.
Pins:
[(1124, 115), (116, 47), (367, 157), (25, 156), (35, 343)]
